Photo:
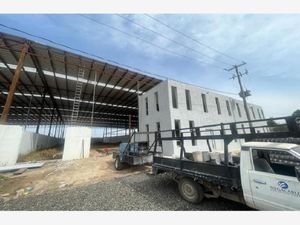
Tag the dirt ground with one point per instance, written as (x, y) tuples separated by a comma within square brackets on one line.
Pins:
[(58, 174)]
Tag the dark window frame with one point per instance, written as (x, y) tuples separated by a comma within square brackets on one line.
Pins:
[(174, 97), (177, 130), (188, 99), (218, 105), (156, 101), (147, 105), (193, 132), (158, 130), (238, 109), (228, 108), (204, 103), (252, 110)]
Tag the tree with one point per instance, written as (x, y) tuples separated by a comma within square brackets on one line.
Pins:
[(296, 113), (275, 127)]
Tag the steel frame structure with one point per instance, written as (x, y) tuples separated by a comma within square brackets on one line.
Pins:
[(46, 87)]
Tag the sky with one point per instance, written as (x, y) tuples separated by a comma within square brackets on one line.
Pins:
[(268, 43)]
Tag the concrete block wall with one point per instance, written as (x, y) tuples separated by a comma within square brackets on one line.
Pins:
[(77, 143), (10, 140), (15, 142), (167, 114), (31, 142), (162, 116)]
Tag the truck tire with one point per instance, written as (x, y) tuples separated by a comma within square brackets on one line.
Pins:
[(190, 190), (118, 164)]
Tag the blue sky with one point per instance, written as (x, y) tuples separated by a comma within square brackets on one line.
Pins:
[(268, 43)]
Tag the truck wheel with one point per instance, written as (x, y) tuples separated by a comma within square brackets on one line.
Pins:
[(190, 190), (118, 164)]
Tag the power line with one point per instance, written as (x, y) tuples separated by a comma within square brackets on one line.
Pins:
[(167, 38), (108, 60), (148, 42), (191, 38), (83, 52)]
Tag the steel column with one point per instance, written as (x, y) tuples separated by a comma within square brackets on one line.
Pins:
[(40, 113), (14, 83)]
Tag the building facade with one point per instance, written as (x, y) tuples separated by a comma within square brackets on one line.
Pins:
[(173, 105)]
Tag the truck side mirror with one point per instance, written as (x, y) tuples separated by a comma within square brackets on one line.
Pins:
[(297, 171)]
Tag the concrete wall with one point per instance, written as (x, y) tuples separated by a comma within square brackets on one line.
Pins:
[(31, 142), (167, 114), (77, 143), (15, 142), (10, 139)]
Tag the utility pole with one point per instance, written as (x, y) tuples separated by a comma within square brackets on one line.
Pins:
[(243, 94)]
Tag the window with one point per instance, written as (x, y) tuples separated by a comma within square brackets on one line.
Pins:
[(156, 101), (252, 112), (238, 109), (147, 107), (203, 96), (177, 130), (147, 130), (158, 129), (188, 100), (258, 113), (174, 97), (262, 113), (228, 108), (275, 161), (193, 132), (218, 106)]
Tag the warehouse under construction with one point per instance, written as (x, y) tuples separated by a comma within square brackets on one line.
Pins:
[(44, 90), (52, 97)]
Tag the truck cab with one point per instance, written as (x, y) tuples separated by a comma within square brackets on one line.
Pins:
[(270, 175)]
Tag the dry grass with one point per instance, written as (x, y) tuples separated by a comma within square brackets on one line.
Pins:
[(45, 154)]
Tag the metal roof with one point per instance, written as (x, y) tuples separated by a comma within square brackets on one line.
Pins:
[(53, 72)]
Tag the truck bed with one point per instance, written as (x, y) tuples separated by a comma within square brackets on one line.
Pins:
[(206, 171)]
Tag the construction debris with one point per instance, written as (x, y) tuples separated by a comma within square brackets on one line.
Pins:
[(20, 171), (21, 166), (5, 195)]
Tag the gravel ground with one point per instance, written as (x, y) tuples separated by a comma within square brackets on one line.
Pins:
[(134, 192)]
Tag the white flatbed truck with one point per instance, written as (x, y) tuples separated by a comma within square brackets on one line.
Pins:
[(265, 176)]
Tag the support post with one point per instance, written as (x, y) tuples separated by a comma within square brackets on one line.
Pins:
[(51, 120), (55, 128), (13, 86), (40, 112), (129, 124)]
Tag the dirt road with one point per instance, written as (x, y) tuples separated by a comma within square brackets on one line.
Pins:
[(57, 175)]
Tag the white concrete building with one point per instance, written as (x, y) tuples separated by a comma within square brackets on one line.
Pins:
[(172, 104)]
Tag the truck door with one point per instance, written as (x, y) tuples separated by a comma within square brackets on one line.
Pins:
[(273, 180)]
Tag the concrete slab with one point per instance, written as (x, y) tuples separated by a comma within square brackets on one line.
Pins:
[(77, 143)]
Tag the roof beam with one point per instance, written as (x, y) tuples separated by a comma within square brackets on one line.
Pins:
[(42, 76)]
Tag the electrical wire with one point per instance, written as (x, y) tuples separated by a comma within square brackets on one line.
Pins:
[(148, 42), (191, 38), (108, 60), (169, 39)]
